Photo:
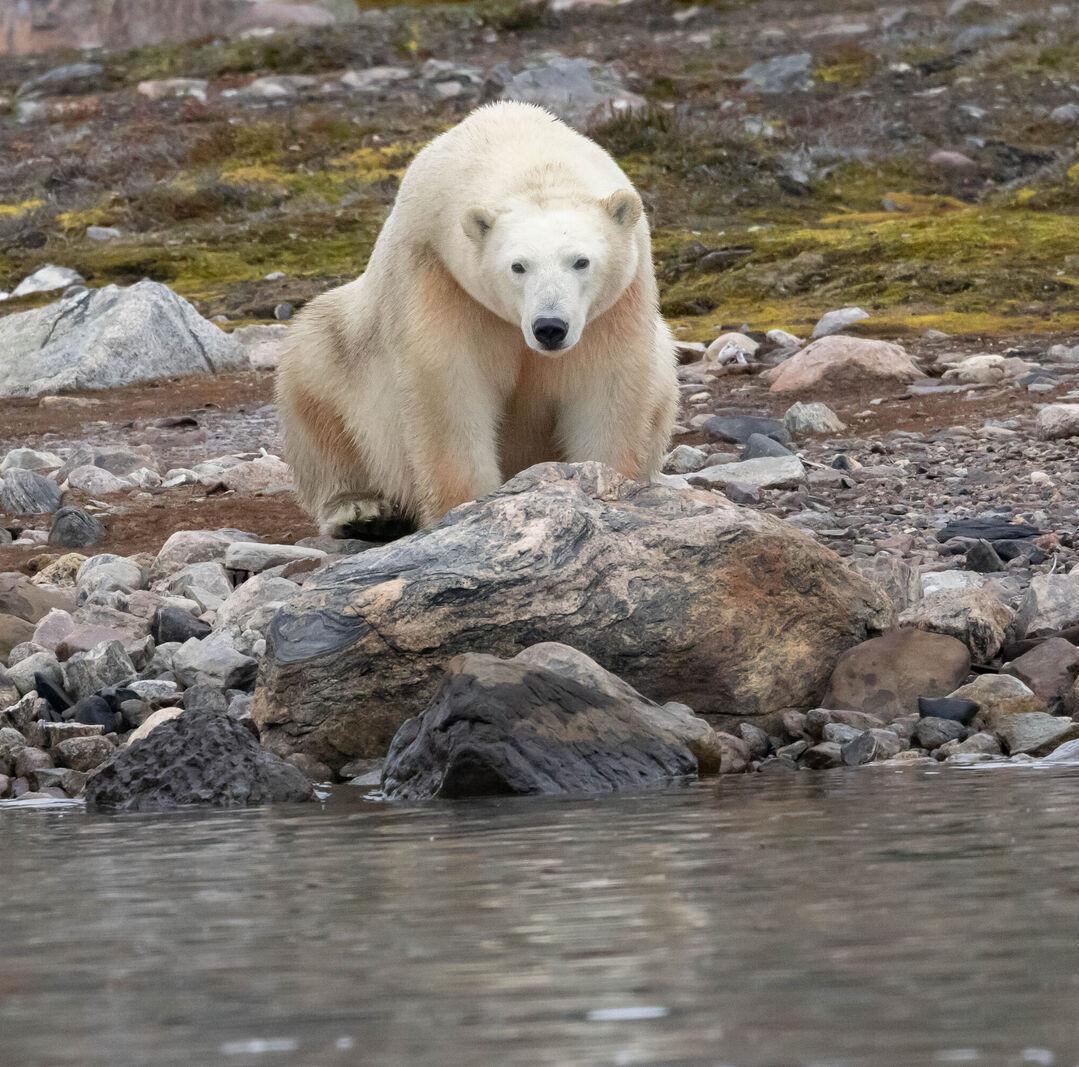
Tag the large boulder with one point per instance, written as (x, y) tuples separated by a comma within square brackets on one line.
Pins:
[(28, 493), (512, 728), (682, 594), (198, 758), (839, 360), (102, 338), (886, 675)]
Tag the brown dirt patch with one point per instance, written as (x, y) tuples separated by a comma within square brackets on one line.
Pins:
[(144, 526)]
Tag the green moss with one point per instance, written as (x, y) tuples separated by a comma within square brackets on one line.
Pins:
[(980, 269), (12, 211)]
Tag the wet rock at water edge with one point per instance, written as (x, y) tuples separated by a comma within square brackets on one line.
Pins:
[(932, 733), (958, 710), (1035, 733), (658, 586), (198, 758), (498, 728)]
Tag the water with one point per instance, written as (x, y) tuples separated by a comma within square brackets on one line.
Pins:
[(873, 917)]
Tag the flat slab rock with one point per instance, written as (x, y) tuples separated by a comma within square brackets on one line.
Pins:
[(510, 728), (198, 758), (685, 596)]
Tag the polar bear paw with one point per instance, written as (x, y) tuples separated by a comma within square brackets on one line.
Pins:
[(365, 519)]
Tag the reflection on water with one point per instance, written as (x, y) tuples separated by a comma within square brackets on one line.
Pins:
[(28, 26), (865, 918)]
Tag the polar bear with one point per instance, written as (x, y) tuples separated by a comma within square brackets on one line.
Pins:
[(508, 316)]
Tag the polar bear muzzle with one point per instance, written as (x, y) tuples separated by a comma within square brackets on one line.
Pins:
[(550, 332)]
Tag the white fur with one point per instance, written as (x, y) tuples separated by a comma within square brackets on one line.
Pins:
[(421, 384)]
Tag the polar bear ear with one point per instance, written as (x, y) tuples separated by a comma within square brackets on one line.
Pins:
[(477, 222), (624, 206)]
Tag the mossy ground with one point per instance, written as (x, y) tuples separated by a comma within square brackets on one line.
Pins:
[(767, 210)]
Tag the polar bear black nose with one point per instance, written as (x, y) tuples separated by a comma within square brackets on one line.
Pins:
[(550, 332)]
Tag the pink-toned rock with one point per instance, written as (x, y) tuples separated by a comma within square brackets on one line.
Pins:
[(843, 359), (85, 636), (53, 628)]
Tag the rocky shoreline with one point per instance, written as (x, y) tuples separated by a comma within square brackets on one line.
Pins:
[(802, 592)]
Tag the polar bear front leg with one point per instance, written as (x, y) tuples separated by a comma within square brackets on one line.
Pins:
[(610, 425), (454, 440)]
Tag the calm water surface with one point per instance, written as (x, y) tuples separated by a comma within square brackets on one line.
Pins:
[(876, 917)]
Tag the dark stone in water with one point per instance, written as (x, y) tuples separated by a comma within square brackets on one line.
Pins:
[(498, 728), (199, 758), (860, 750), (932, 732), (958, 710), (738, 429), (987, 529)]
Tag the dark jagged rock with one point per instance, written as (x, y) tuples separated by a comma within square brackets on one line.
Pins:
[(175, 624), (96, 711), (58, 697), (1014, 548), (205, 698), (987, 529), (500, 728), (75, 528), (198, 758), (687, 598)]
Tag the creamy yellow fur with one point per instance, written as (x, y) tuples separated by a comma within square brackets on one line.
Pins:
[(412, 389)]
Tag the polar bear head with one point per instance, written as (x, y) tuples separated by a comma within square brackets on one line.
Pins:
[(554, 267)]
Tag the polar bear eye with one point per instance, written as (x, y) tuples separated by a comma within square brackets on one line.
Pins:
[(518, 268), (581, 264)]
